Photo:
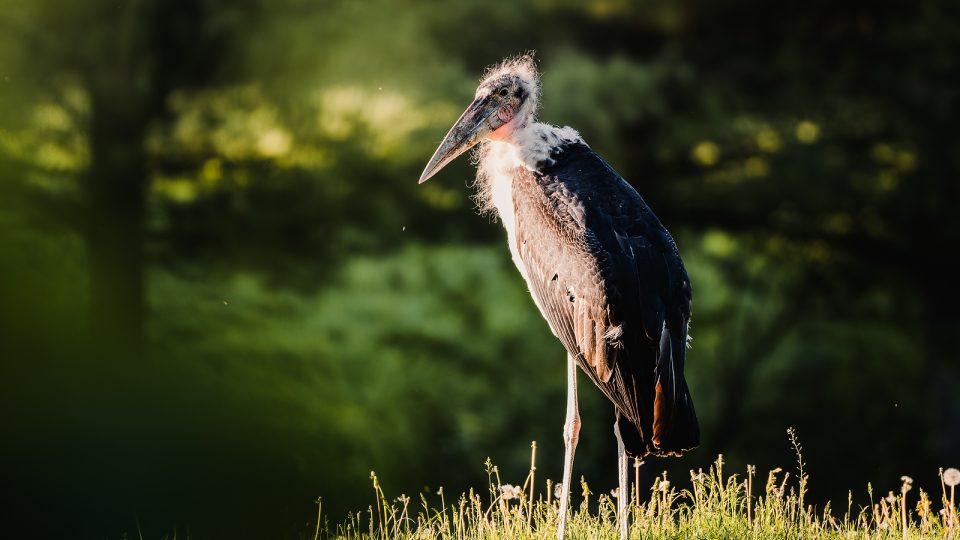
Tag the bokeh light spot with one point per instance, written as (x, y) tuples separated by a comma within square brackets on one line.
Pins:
[(719, 243), (706, 153), (212, 170), (756, 167), (807, 132), (768, 140), (274, 142)]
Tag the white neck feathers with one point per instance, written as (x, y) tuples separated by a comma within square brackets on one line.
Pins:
[(529, 147)]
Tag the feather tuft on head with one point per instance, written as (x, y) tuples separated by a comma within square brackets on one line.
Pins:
[(523, 65)]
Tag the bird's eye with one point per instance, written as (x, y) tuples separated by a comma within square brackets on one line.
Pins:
[(503, 92)]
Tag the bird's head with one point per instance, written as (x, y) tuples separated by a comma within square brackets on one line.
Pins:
[(504, 103)]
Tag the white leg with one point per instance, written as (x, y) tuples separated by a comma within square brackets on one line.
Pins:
[(624, 483), (571, 433)]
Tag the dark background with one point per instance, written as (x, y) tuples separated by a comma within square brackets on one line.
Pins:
[(223, 294)]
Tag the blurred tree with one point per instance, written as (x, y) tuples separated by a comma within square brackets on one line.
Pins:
[(108, 70)]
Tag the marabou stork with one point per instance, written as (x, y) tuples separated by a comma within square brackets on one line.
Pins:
[(602, 269)]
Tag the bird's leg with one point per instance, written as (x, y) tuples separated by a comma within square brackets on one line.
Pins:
[(624, 483), (571, 433)]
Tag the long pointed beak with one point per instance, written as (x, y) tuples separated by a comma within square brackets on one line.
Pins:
[(474, 124)]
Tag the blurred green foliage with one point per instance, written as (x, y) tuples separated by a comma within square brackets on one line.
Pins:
[(222, 293)]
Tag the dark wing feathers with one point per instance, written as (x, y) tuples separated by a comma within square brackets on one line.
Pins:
[(609, 280)]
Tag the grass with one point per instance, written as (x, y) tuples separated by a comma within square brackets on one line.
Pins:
[(715, 504)]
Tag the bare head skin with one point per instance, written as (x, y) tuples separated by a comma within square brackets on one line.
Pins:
[(503, 105)]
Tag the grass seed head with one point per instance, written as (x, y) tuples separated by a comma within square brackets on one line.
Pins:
[(951, 477), (907, 484), (510, 491)]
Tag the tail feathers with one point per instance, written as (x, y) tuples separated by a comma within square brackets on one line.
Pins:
[(668, 425), (675, 427), (682, 431), (672, 436)]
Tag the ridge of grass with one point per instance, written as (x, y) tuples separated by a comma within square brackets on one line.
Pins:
[(716, 504)]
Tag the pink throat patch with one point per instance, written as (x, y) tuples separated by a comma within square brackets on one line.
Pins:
[(505, 114), (501, 133)]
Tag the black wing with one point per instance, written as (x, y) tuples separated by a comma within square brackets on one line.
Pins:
[(608, 278)]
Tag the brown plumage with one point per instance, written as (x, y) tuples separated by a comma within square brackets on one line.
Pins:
[(602, 269), (609, 280)]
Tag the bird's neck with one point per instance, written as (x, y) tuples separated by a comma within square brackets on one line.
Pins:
[(528, 146), (533, 142)]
